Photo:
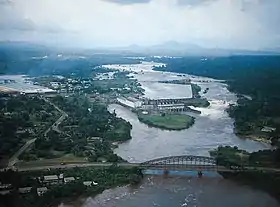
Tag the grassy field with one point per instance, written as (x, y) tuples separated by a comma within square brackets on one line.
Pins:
[(167, 121)]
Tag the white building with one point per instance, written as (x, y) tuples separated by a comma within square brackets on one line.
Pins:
[(69, 179), (171, 106), (268, 129), (130, 102), (89, 183), (161, 91), (51, 179)]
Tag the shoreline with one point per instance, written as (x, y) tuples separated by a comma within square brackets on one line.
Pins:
[(150, 124), (255, 138)]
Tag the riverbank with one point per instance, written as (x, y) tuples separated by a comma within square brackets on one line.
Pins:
[(179, 191), (167, 121), (256, 138), (252, 126), (234, 157), (78, 182)]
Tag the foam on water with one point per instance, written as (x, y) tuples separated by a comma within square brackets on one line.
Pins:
[(215, 111)]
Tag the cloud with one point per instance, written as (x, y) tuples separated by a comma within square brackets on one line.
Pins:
[(12, 19), (5, 2), (193, 2), (249, 24), (128, 1)]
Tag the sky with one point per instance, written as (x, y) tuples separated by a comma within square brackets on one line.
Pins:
[(234, 24)]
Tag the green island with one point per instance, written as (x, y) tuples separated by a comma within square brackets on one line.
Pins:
[(167, 121)]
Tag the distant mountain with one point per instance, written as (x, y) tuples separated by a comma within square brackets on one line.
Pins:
[(167, 48), (170, 48), (173, 48), (26, 46)]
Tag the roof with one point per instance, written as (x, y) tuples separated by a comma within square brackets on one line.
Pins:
[(68, 179), (4, 192), (268, 129), (50, 177), (87, 183), (44, 189), (161, 91), (61, 176), (3, 186), (25, 189)]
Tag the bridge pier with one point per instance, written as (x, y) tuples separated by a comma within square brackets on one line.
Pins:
[(165, 172)]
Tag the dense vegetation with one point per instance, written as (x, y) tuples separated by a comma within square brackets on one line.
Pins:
[(23, 118), (234, 157), (167, 121), (105, 178), (88, 131), (255, 76)]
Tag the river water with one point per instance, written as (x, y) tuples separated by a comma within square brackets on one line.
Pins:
[(213, 127)]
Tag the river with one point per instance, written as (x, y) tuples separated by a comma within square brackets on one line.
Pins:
[(213, 127)]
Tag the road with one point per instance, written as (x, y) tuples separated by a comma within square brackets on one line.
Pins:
[(157, 167), (14, 158), (56, 124), (58, 121)]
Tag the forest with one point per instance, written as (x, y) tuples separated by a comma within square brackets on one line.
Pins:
[(22, 118), (88, 131)]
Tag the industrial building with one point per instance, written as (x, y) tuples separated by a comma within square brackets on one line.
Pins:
[(19, 84)]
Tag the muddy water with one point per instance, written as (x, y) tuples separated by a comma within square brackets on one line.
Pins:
[(183, 191), (213, 127)]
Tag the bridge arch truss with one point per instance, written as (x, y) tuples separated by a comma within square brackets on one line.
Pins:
[(184, 160)]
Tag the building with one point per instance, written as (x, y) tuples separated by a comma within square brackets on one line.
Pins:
[(19, 84), (268, 129), (51, 179), (169, 107), (41, 191), (61, 176), (89, 183), (25, 190), (5, 186), (69, 179), (130, 102), (161, 91), (5, 192), (166, 96)]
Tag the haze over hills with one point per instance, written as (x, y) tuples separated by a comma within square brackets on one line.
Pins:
[(186, 49), (170, 48)]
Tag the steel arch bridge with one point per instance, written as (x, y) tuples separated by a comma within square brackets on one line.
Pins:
[(183, 161)]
